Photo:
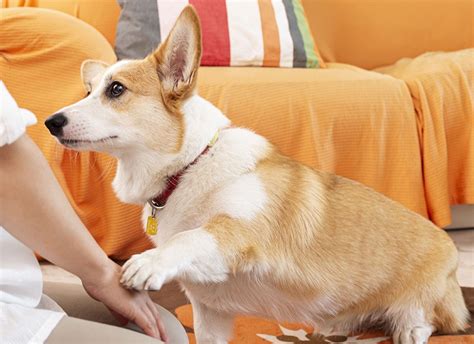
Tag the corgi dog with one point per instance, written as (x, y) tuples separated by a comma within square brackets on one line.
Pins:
[(245, 229)]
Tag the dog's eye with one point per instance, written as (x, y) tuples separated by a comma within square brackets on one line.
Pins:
[(115, 89)]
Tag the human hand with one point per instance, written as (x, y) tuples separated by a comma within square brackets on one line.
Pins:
[(123, 303)]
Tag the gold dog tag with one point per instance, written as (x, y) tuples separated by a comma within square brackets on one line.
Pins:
[(152, 223)]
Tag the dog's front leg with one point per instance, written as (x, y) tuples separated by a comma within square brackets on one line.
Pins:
[(192, 255), (210, 326)]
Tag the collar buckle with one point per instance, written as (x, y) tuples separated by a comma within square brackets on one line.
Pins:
[(155, 205)]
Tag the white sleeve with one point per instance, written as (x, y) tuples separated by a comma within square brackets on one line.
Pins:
[(13, 120), (21, 281)]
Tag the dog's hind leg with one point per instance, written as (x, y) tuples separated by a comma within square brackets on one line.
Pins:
[(411, 327), (193, 255), (451, 314)]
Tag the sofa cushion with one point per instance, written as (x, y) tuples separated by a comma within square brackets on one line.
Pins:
[(246, 33)]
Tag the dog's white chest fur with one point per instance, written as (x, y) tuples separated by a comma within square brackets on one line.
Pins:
[(195, 203), (248, 294)]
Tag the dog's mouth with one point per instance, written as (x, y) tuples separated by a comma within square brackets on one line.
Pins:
[(75, 143)]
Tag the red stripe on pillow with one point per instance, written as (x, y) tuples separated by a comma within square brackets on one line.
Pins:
[(215, 32)]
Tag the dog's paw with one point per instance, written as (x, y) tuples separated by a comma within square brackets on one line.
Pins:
[(415, 335), (145, 271)]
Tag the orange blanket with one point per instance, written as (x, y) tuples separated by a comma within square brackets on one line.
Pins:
[(343, 119), (442, 89)]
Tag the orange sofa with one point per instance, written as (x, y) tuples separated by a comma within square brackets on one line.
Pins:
[(405, 129)]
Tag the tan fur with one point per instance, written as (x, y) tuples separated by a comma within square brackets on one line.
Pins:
[(180, 90), (316, 240), (141, 80)]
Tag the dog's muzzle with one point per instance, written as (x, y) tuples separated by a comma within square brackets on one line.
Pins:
[(56, 123)]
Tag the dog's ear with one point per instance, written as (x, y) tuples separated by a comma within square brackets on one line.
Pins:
[(91, 71), (178, 57)]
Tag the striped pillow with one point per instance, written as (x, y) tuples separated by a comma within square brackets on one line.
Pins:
[(273, 33)]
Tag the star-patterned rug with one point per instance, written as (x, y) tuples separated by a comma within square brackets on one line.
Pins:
[(250, 330)]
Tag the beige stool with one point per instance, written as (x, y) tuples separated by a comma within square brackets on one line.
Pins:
[(90, 320)]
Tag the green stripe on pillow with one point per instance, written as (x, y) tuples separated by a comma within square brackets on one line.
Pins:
[(312, 60)]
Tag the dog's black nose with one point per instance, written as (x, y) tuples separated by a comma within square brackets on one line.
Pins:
[(55, 124)]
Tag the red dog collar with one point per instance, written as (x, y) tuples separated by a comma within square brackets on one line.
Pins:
[(172, 182)]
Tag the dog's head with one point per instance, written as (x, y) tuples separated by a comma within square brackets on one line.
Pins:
[(135, 104)]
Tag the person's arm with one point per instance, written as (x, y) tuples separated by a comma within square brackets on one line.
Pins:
[(34, 209)]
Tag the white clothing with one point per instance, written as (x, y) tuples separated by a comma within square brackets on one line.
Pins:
[(26, 315)]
